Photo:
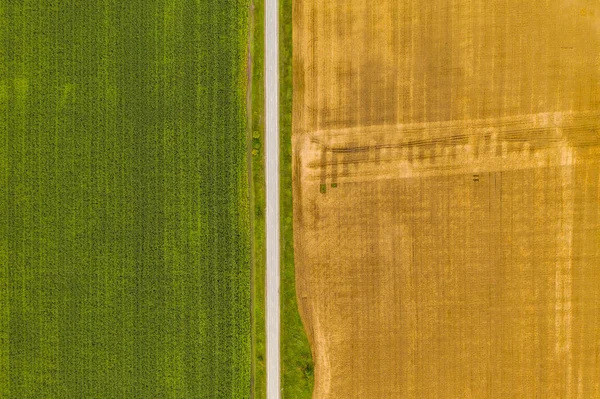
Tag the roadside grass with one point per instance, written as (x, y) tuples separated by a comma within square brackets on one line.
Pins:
[(258, 200), (296, 357)]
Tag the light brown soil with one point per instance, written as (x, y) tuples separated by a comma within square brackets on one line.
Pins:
[(447, 197)]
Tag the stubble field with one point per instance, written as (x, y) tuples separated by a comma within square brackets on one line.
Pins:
[(446, 160)]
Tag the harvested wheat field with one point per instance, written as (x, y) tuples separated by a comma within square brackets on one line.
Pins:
[(446, 197)]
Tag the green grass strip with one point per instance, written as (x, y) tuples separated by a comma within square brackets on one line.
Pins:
[(296, 357), (259, 201)]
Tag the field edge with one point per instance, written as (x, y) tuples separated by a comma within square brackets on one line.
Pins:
[(296, 356)]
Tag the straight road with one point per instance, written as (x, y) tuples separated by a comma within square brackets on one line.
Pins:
[(272, 183)]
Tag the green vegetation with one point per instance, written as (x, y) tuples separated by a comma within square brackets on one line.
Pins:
[(258, 197), (125, 236), (297, 364)]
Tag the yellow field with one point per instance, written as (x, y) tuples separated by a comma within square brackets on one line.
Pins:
[(447, 197)]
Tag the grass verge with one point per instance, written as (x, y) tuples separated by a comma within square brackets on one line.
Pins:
[(258, 199), (296, 357)]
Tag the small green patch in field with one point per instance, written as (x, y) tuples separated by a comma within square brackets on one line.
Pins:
[(308, 370)]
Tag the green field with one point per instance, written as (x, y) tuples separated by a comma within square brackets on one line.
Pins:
[(296, 358), (125, 240)]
